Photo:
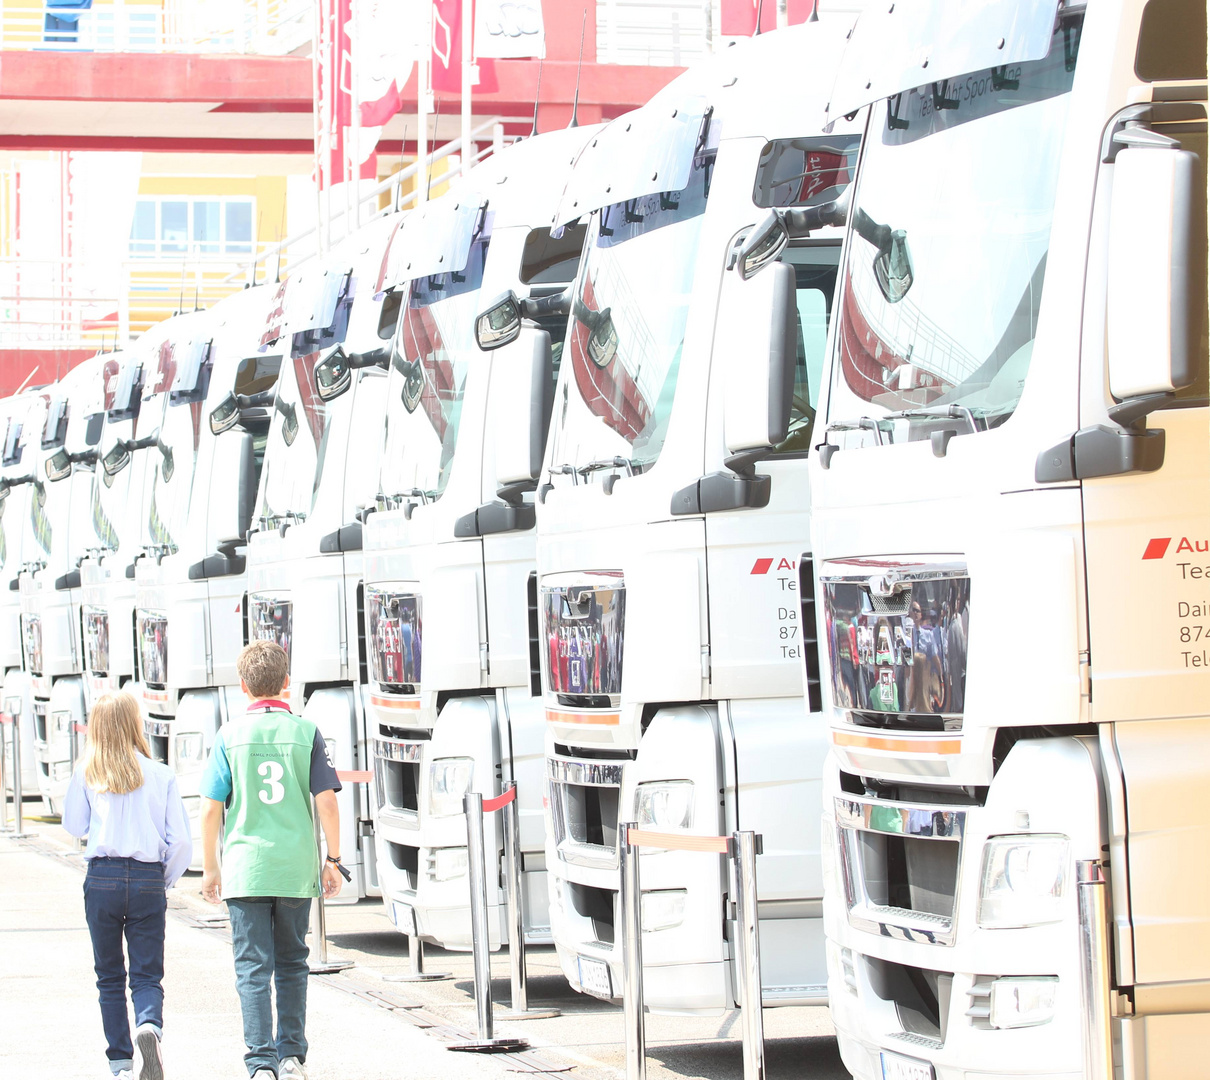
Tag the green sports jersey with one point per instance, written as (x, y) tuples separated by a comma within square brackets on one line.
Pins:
[(265, 766)]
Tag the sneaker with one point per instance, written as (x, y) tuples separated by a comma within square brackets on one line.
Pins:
[(148, 1061), (123, 1074), (264, 1074), (292, 1069)]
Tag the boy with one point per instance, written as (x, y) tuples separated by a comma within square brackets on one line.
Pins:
[(263, 768)]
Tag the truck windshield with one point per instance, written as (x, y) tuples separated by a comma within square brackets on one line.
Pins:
[(951, 226), (627, 328), (298, 434), (432, 351)]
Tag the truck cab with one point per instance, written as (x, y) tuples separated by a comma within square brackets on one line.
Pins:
[(199, 485), (674, 483), (62, 456), (304, 554), (450, 546), (1011, 483), (16, 486), (107, 571)]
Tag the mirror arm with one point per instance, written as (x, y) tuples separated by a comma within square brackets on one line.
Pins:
[(512, 493), (872, 232), (1130, 412), (800, 223), (380, 357), (556, 304)]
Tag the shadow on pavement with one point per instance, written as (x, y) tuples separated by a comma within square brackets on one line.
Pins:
[(816, 1057)]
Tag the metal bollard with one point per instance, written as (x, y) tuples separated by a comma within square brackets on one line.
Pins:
[(4, 825), (472, 804), (1092, 905), (19, 832), (520, 1009), (416, 963), (321, 965), (747, 847), (632, 956)]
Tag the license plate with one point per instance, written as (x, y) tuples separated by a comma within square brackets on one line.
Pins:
[(594, 978), (898, 1067), (405, 918)]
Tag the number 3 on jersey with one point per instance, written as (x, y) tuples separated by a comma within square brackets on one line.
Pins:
[(272, 773)]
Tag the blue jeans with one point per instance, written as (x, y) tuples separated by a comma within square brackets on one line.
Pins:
[(269, 936), (126, 897)]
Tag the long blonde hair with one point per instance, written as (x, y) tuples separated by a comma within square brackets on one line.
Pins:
[(115, 734)]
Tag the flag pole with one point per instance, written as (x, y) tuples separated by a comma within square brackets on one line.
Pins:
[(422, 108), (468, 64)]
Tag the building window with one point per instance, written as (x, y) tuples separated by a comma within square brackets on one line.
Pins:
[(167, 225)]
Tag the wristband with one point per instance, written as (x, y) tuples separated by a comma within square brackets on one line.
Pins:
[(344, 872)]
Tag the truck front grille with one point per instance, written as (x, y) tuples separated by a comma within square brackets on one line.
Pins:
[(901, 867), (920, 995), (596, 905), (584, 803)]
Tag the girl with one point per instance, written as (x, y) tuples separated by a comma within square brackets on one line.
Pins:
[(138, 845)]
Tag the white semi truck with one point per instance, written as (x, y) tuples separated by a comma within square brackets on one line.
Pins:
[(674, 484), (115, 513), (22, 422), (450, 548), (304, 554), (199, 487), (49, 582), (1011, 520)]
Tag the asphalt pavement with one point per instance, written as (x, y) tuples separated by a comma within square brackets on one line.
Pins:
[(362, 1025)]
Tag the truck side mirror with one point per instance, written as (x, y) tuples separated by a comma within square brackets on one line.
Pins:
[(234, 488), (762, 245), (225, 415), (757, 339), (333, 375), (522, 378), (500, 323), (1151, 328), (58, 466)]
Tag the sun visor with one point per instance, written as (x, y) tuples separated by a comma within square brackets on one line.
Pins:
[(896, 47), (310, 302), (640, 153), (434, 239)]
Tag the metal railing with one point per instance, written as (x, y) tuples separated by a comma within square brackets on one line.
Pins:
[(265, 27), (675, 32)]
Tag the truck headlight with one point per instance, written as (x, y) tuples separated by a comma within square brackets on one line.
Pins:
[(190, 749), (1023, 1002), (1023, 879), (666, 804), (449, 863), (449, 780), (663, 909)]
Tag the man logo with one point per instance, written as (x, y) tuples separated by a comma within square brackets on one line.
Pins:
[(1157, 547)]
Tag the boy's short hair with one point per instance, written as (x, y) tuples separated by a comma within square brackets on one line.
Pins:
[(263, 666)]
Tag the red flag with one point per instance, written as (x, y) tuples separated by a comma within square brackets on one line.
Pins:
[(739, 17), (446, 69)]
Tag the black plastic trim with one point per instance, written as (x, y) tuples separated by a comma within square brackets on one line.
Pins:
[(722, 491), (70, 580), (346, 538), (495, 517), (218, 565)]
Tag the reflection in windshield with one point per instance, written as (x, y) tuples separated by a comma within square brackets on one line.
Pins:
[(628, 324), (966, 172), (431, 354), (294, 461)]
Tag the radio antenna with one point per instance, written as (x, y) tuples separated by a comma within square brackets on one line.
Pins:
[(428, 180), (814, 16), (537, 98), (575, 102), (282, 229), (760, 11), (180, 304), (195, 291)]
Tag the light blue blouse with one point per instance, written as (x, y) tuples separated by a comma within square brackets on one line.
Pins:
[(148, 824)]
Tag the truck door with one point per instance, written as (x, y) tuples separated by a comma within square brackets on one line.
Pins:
[(1147, 552)]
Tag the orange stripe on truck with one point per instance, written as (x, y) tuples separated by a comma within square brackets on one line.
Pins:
[(897, 746), (558, 716), (393, 703)]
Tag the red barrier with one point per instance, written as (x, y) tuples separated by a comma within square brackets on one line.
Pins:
[(355, 776), (499, 801), (81, 729), (679, 841)]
